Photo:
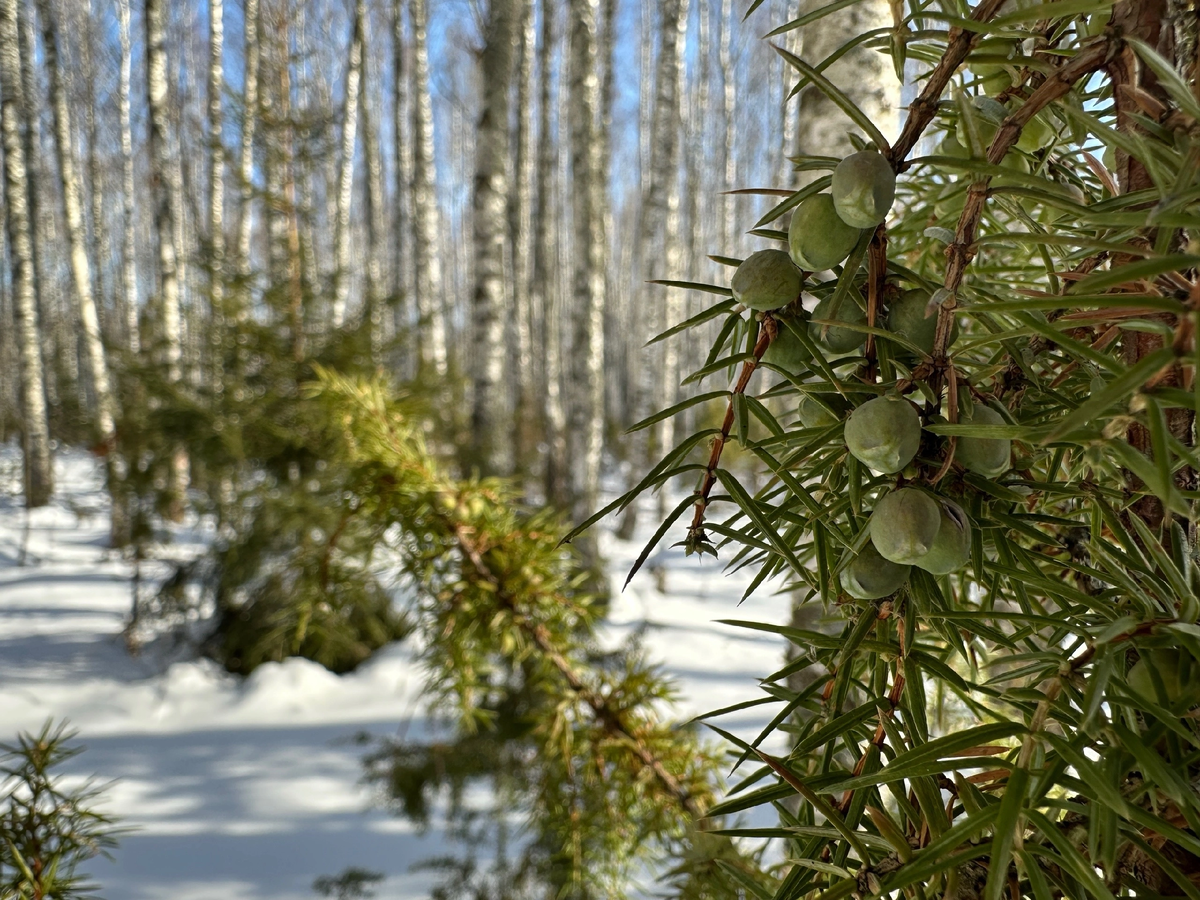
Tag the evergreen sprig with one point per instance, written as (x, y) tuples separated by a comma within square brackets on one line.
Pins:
[(1026, 725), (48, 828)]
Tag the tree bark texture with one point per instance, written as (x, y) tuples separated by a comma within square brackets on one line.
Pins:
[(520, 353), (76, 228), (216, 183), (489, 413), (586, 431), (250, 113), (129, 284), (427, 266), (345, 188), (864, 75), (543, 290), (649, 310), (35, 429), (164, 224)]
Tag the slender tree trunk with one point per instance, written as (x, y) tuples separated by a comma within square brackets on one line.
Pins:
[(863, 74), (672, 266), (728, 85), (427, 269), (286, 214), (53, 331), (614, 335), (99, 245), (375, 227), (253, 53), (586, 433), (489, 416), (164, 223), (521, 349), (35, 431), (216, 186), (345, 191), (402, 148), (77, 230), (660, 216), (543, 289), (129, 285)]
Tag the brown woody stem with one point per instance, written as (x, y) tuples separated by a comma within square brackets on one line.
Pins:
[(960, 253), (770, 329), (924, 108), (876, 275)]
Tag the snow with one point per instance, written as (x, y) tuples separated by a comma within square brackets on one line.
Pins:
[(251, 788)]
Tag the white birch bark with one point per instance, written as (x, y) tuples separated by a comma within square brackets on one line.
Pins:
[(345, 190), (52, 332), (660, 217), (164, 224), (864, 75), (216, 179), (403, 287), (374, 300), (160, 184), (543, 287), (672, 260), (35, 430), (99, 245), (489, 411), (521, 349), (728, 86), (72, 190), (585, 435), (129, 284), (252, 61), (427, 267)]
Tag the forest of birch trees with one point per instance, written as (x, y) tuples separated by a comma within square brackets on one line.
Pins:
[(483, 191)]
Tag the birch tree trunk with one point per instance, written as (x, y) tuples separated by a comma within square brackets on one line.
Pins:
[(427, 267), (585, 435), (672, 265), (521, 350), (660, 210), (865, 76), (250, 114), (51, 332), (492, 447), (35, 430), (374, 300), (72, 191), (160, 185), (402, 149), (725, 62), (99, 245), (341, 272), (543, 289), (129, 285), (216, 185), (164, 223)]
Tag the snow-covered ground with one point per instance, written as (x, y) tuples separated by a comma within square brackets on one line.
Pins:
[(247, 789)]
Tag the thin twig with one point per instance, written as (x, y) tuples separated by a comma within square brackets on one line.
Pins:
[(876, 275), (770, 329), (924, 108), (960, 253)]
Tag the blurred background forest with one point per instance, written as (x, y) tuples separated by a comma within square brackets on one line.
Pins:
[(223, 219), (471, 197)]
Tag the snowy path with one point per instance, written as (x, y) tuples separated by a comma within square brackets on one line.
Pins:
[(249, 789)]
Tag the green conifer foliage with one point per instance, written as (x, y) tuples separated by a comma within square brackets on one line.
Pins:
[(1018, 719), (48, 826)]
